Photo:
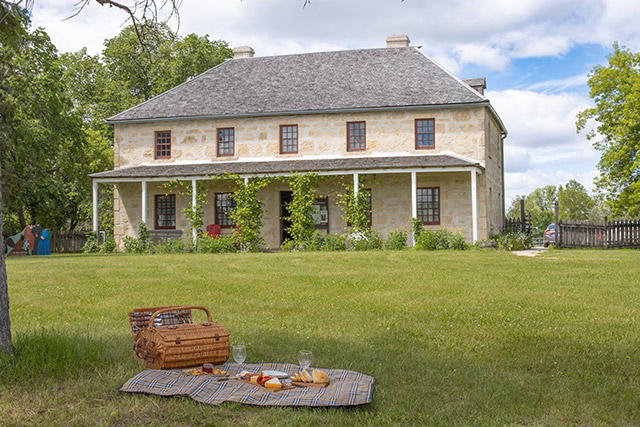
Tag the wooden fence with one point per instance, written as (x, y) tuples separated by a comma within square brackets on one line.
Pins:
[(67, 241), (523, 223), (615, 234), (61, 241)]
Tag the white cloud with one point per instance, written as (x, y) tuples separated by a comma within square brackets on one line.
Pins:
[(536, 120), (488, 33), (542, 147)]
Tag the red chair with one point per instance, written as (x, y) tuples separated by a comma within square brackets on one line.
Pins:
[(213, 230)]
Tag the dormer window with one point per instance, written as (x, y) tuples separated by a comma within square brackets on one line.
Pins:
[(226, 141), (425, 133), (356, 140), (163, 145)]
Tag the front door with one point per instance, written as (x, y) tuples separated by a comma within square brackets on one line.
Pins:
[(285, 198)]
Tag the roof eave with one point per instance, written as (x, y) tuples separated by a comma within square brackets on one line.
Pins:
[(302, 112)]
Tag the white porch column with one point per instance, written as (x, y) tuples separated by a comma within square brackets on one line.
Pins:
[(246, 181), (474, 205), (144, 203), (414, 195), (356, 185), (95, 206), (414, 200), (193, 207)]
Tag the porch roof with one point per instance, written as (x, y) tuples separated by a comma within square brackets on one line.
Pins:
[(321, 166)]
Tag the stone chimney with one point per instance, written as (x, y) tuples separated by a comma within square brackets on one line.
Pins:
[(398, 40), (242, 52), (478, 83)]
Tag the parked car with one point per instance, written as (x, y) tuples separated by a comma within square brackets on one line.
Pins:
[(549, 235)]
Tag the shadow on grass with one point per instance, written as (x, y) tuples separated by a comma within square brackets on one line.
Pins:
[(54, 354)]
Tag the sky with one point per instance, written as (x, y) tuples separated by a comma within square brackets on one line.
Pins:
[(535, 54)]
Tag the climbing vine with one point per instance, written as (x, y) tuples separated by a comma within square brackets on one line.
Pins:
[(354, 208), (248, 213), (193, 213), (301, 208)]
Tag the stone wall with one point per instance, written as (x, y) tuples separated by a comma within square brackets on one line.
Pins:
[(458, 130)]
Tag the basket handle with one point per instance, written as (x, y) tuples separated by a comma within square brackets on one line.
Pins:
[(176, 308)]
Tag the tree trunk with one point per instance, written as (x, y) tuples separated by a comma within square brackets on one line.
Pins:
[(5, 323), (23, 221)]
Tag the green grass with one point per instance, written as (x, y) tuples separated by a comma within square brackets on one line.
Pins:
[(452, 338)]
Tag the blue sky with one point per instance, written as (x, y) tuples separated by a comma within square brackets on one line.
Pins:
[(535, 55)]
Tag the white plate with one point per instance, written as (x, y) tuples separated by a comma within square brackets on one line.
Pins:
[(276, 374)]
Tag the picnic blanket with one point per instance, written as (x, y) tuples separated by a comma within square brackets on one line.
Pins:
[(346, 388)]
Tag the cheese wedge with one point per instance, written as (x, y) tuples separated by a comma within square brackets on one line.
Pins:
[(320, 377), (254, 379), (273, 383)]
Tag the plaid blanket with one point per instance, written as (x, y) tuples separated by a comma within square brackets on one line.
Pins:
[(346, 388)]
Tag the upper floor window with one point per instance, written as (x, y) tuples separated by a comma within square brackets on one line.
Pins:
[(225, 203), (429, 205), (163, 145), (226, 142), (288, 139), (425, 133), (356, 140), (165, 211)]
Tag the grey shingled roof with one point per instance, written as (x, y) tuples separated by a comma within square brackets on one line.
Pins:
[(284, 166), (343, 80)]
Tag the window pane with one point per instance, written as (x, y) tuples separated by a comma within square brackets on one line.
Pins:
[(425, 133), (224, 204), (428, 200), (289, 139), (355, 136), (166, 211), (163, 145), (226, 140)]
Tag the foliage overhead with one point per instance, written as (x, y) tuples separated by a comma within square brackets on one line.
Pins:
[(615, 89)]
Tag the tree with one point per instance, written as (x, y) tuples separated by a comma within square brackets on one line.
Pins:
[(574, 203), (13, 22), (42, 139), (615, 89), (539, 204), (173, 60)]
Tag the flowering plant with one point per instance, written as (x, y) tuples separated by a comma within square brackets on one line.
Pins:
[(396, 239)]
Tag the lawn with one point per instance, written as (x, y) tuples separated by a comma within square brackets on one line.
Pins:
[(452, 337)]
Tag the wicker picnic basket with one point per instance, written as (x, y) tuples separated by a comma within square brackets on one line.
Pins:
[(181, 345), (139, 317)]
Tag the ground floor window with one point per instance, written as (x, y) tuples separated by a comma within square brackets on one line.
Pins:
[(165, 211), (429, 205), (224, 204)]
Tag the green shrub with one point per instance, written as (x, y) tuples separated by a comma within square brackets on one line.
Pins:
[(315, 243), (396, 239), (364, 240), (445, 238), (334, 242), (163, 247), (91, 246), (213, 245), (131, 245), (108, 247), (143, 237), (513, 240)]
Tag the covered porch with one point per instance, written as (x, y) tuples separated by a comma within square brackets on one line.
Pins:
[(398, 186)]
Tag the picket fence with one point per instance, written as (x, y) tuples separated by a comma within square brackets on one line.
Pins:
[(607, 234)]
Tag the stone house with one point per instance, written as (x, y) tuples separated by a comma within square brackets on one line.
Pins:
[(425, 143)]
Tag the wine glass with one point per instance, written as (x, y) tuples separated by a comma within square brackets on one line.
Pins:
[(239, 354), (305, 357)]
